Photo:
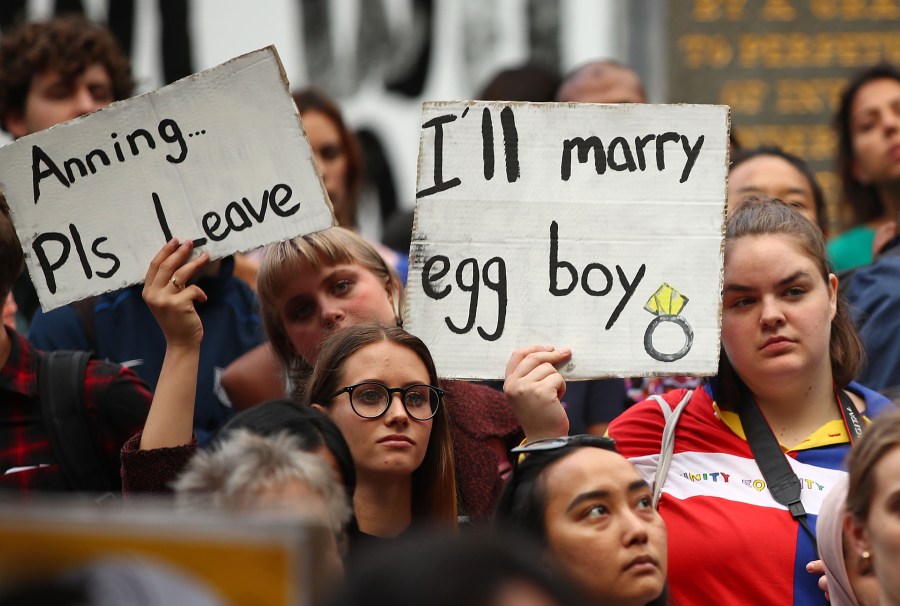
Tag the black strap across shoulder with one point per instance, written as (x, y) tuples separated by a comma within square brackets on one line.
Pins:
[(61, 379), (783, 483)]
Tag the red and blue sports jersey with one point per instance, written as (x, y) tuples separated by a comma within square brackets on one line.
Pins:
[(730, 542)]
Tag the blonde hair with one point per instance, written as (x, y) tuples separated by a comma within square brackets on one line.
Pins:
[(281, 266)]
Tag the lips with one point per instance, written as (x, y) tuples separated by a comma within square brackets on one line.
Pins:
[(396, 437), (775, 343), (642, 562)]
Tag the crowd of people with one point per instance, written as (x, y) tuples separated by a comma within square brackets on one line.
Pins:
[(282, 380)]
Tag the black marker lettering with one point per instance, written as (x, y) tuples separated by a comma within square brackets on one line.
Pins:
[(510, 144), (439, 183), (428, 279), (629, 287), (48, 267), (473, 299), (691, 153), (38, 157), (95, 248), (555, 264)]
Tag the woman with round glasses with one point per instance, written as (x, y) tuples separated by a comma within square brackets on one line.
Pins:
[(378, 384), (593, 514)]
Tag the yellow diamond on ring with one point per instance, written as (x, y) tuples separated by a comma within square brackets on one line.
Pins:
[(666, 301)]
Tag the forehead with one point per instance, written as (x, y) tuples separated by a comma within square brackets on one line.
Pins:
[(874, 92), (383, 354), (769, 170), (586, 469), (757, 255)]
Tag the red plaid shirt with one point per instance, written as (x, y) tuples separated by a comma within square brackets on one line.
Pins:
[(117, 403)]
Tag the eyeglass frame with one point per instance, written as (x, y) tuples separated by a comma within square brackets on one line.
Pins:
[(550, 444), (390, 392)]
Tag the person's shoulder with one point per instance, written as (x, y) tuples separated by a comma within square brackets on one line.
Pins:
[(113, 384), (851, 248), (876, 403)]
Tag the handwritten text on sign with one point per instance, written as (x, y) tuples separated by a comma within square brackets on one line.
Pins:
[(219, 157), (597, 227)]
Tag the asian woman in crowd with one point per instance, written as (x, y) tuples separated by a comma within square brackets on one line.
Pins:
[(771, 171), (593, 516), (790, 352)]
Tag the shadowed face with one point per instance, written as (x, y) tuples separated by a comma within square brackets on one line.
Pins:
[(602, 528)]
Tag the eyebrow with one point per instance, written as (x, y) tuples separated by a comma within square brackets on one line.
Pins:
[(797, 275), (603, 494), (756, 188)]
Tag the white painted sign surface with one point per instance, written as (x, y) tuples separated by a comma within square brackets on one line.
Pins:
[(218, 157), (596, 227)]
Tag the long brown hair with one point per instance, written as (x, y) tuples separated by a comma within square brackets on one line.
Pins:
[(764, 215), (434, 482), (281, 266), (863, 198), (311, 99)]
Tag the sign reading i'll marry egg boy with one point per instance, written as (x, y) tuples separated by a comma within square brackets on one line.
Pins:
[(595, 227), (218, 157)]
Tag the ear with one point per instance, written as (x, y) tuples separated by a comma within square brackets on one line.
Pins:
[(14, 123), (322, 409), (858, 535), (833, 293), (393, 286)]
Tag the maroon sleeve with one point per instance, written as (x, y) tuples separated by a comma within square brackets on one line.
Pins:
[(153, 471)]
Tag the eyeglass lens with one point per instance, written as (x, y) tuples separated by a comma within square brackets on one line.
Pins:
[(371, 400)]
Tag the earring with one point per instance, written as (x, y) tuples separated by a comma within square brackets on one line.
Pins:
[(866, 556)]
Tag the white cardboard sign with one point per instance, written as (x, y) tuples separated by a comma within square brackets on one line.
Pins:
[(219, 157), (596, 227)]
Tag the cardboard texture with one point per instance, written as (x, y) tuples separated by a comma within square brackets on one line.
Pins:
[(219, 157), (242, 558), (595, 227)]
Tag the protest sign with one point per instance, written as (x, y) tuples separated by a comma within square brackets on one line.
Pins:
[(261, 558), (218, 157), (595, 227)]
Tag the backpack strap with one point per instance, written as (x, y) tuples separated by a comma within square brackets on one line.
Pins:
[(61, 379), (667, 444)]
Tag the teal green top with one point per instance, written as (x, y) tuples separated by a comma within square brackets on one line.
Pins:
[(851, 248)]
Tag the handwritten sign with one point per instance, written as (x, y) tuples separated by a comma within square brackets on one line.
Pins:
[(219, 157), (596, 227)]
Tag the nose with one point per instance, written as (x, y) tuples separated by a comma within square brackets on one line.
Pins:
[(634, 529), (84, 102), (771, 314), (332, 315), (396, 412)]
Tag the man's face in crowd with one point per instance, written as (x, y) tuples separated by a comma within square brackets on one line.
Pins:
[(52, 100)]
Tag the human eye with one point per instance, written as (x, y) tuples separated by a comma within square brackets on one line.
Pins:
[(300, 310), (795, 292), (341, 286), (58, 92), (101, 93), (645, 502), (597, 511), (417, 397), (741, 302), (330, 152), (369, 394)]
